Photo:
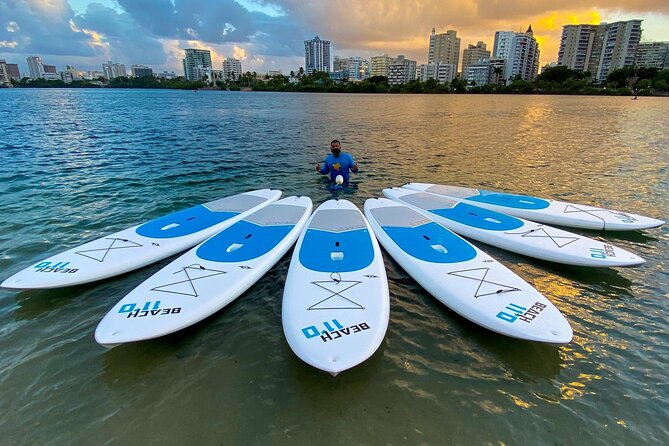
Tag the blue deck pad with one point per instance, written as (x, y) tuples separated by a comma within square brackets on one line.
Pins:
[(425, 242), (477, 217), (255, 241), (510, 200), (185, 222), (318, 248)]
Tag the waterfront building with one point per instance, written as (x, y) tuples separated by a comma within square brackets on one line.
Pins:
[(141, 71), (444, 48), (339, 64), (112, 70), (4, 72), (576, 46), (478, 73), (614, 48), (50, 73), (165, 75), (652, 55), (599, 49), (497, 71), (316, 55), (13, 70), (474, 54), (352, 69), (69, 74), (380, 65), (401, 71), (35, 67), (195, 63), (207, 74), (232, 68), (93, 75), (521, 53), (441, 72)]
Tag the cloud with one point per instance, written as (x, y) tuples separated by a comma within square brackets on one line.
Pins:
[(41, 27), (270, 34)]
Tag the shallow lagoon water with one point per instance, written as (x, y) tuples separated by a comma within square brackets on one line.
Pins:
[(77, 164)]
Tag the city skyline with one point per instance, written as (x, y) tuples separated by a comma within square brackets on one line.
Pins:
[(269, 35)]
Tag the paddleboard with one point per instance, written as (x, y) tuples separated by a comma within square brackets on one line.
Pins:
[(208, 277), (514, 234), (336, 304), (463, 277), (541, 210), (140, 245)]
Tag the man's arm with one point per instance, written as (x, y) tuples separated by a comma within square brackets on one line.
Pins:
[(354, 165), (325, 169)]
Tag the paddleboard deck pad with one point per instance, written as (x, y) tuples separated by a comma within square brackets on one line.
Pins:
[(336, 303), (140, 245), (512, 233), (208, 277), (463, 277), (541, 210)]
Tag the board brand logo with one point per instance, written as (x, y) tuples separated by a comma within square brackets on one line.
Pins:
[(57, 267), (333, 332), (515, 312), (137, 310), (602, 253)]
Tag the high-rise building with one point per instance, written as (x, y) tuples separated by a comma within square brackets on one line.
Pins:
[(35, 67), (196, 59), (316, 55), (444, 48), (599, 49), (521, 53), (4, 72), (232, 68), (401, 71), (380, 65), (13, 70), (141, 71), (576, 46), (652, 55), (112, 70), (474, 54), (617, 47)]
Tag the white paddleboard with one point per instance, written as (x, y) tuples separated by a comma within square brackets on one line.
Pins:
[(336, 304), (463, 277), (140, 245), (208, 277), (541, 210), (514, 234)]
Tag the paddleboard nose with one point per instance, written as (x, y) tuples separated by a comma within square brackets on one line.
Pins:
[(562, 334)]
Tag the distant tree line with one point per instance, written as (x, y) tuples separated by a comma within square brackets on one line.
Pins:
[(554, 80)]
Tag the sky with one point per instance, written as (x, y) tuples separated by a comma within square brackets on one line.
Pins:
[(269, 35)]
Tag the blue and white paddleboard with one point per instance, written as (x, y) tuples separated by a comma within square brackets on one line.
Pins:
[(543, 211), (208, 277), (140, 245), (336, 304), (463, 277), (514, 234)]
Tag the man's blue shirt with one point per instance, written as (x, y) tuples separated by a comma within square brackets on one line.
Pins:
[(338, 165)]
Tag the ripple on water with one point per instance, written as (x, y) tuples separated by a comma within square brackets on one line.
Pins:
[(102, 161)]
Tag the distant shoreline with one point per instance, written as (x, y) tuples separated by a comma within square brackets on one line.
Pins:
[(559, 80)]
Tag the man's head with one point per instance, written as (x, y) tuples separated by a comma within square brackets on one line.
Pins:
[(335, 147)]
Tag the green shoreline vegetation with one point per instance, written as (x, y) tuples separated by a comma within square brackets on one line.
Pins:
[(555, 80)]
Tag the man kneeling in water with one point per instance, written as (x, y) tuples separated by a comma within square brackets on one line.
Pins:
[(338, 163)]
